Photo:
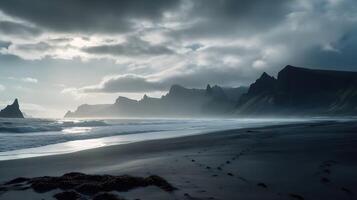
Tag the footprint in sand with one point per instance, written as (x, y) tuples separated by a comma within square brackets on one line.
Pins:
[(263, 185), (347, 191), (328, 163), (325, 170), (325, 180), (296, 196)]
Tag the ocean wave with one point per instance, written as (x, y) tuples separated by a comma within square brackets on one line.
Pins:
[(39, 125), (94, 123)]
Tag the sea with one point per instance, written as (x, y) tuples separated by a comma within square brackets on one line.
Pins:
[(24, 138)]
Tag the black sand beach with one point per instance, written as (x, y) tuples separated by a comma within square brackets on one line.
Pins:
[(299, 161)]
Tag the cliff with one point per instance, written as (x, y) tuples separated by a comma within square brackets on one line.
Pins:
[(302, 91)]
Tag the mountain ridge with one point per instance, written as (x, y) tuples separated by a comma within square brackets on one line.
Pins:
[(298, 90), (294, 91), (178, 102)]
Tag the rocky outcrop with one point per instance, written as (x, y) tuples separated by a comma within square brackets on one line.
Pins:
[(12, 111), (80, 186), (302, 91)]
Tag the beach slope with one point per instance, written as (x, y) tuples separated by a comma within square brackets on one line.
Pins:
[(298, 161)]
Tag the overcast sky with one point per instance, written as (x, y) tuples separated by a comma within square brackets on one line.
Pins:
[(56, 55)]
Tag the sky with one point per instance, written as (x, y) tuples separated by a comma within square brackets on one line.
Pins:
[(56, 55)]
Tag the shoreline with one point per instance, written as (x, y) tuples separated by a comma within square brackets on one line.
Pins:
[(72, 146), (218, 163)]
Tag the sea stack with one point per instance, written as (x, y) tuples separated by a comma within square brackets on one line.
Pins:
[(12, 111)]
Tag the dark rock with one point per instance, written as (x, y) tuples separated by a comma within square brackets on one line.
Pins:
[(264, 84), (107, 196), (91, 184), (44, 184), (12, 111), (89, 188), (67, 195), (160, 182), (17, 180)]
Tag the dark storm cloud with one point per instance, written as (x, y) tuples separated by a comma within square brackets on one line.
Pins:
[(86, 15), (219, 18), (18, 29), (342, 58), (132, 47), (60, 40), (41, 46), (223, 42)]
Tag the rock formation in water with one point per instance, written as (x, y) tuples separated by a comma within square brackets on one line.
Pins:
[(12, 111)]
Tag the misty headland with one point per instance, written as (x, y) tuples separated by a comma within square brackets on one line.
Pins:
[(296, 91)]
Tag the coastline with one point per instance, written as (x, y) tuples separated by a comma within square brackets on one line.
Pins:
[(274, 162), (75, 138)]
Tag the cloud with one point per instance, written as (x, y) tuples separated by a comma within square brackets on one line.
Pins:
[(133, 47), (87, 16), (77, 93), (24, 79), (28, 51), (230, 18), (125, 83), (30, 80), (131, 83), (18, 29), (2, 88)]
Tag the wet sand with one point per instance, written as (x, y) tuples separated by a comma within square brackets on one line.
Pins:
[(299, 161)]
